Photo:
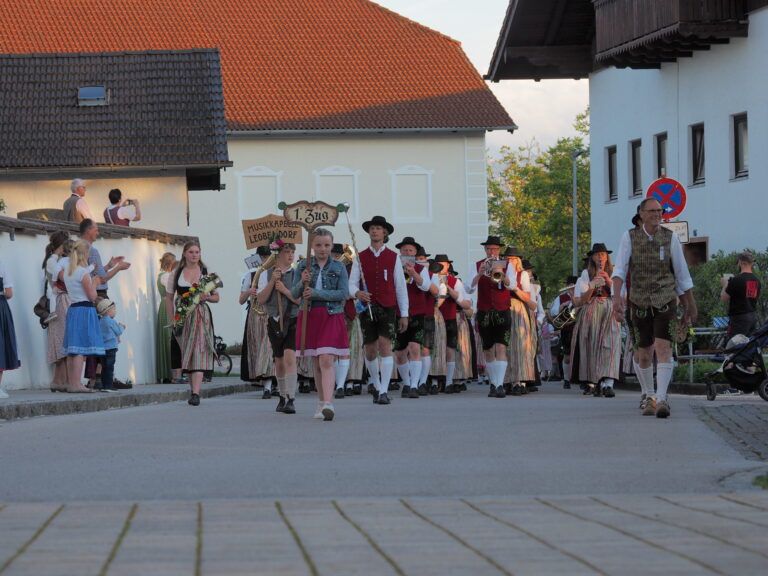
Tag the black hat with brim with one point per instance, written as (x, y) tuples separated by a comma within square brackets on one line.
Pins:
[(527, 265), (599, 247), (337, 249), (421, 252), (408, 241), (378, 221), (512, 251), (492, 241), (442, 258)]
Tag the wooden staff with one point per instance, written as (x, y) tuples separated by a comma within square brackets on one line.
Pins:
[(305, 304)]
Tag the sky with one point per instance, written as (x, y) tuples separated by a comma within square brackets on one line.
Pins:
[(544, 111)]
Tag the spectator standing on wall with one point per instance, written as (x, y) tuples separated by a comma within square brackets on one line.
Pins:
[(120, 212), (75, 207), (741, 293)]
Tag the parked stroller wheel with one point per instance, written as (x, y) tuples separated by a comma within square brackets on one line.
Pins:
[(711, 390), (763, 390)]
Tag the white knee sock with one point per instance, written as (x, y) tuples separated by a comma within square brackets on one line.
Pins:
[(490, 371), (414, 372), (663, 378), (405, 376), (387, 364), (342, 367), (645, 377), (426, 366), (566, 371), (373, 371), (501, 366), (607, 383), (450, 368), (281, 386), (291, 383)]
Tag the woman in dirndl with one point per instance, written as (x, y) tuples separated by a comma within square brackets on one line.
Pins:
[(56, 258), (196, 341), (521, 352), (323, 285), (164, 373), (596, 345), (9, 355), (82, 336)]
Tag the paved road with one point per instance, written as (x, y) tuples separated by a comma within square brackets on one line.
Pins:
[(550, 483)]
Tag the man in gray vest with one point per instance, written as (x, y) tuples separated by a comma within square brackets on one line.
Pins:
[(274, 290), (653, 258), (75, 207)]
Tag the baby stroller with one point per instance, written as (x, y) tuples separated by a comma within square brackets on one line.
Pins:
[(743, 366)]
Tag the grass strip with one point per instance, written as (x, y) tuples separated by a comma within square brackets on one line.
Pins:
[(119, 541), (297, 539), (32, 539)]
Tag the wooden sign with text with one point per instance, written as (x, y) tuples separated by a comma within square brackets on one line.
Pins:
[(310, 215), (262, 231)]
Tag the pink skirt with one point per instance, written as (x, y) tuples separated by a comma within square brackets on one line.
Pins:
[(326, 333)]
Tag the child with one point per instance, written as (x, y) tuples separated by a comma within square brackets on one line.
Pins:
[(110, 332)]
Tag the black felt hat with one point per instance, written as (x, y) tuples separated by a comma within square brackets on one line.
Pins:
[(442, 258), (492, 241), (421, 252), (337, 249), (408, 241), (598, 247), (263, 251), (512, 251), (571, 280), (527, 265), (378, 221)]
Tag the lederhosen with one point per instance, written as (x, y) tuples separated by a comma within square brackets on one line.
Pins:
[(493, 316), (417, 308)]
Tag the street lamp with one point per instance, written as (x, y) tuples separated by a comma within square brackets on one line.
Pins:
[(574, 156)]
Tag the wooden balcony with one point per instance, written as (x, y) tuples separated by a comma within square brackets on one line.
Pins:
[(647, 33)]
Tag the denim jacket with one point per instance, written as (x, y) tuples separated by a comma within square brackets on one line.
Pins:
[(335, 285)]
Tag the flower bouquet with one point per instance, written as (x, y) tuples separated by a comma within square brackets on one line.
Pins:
[(188, 301)]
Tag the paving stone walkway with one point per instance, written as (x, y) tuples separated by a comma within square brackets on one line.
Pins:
[(744, 426), (681, 534)]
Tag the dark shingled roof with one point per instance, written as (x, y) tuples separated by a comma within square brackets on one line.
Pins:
[(166, 109)]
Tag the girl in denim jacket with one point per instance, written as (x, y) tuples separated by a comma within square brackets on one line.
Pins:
[(324, 285)]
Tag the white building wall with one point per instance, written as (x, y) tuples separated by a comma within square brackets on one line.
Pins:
[(708, 88), (431, 187)]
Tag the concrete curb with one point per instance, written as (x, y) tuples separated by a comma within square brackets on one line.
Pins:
[(687, 388), (28, 404)]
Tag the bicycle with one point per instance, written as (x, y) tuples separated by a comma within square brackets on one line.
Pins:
[(223, 362)]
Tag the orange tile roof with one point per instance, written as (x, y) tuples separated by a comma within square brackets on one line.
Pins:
[(286, 64)]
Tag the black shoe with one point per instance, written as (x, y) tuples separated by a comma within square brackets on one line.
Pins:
[(608, 392), (566, 385), (289, 407), (517, 390), (348, 391), (587, 390), (492, 391), (304, 387), (194, 400), (357, 389), (280, 405), (375, 395), (449, 389), (413, 393), (422, 390), (393, 386), (267, 394), (339, 393), (597, 392), (383, 399), (433, 389), (500, 392), (371, 389), (406, 392), (523, 389), (462, 387)]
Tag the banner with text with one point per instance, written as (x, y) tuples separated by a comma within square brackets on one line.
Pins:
[(262, 231)]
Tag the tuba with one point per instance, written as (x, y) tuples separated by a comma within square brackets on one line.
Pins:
[(565, 317), (268, 263)]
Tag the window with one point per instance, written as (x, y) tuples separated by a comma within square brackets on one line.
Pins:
[(92, 96), (613, 193), (661, 155), (635, 148), (411, 194), (740, 146), (697, 153), (336, 185)]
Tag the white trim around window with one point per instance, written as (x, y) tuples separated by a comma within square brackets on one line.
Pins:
[(403, 211)]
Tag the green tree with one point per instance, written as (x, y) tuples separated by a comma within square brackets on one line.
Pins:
[(530, 204)]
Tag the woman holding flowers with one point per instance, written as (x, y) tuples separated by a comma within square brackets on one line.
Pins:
[(323, 284), (194, 288)]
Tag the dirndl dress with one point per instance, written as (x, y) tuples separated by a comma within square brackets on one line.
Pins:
[(521, 352), (162, 335), (197, 347), (438, 367), (58, 327), (256, 362), (83, 334), (597, 341), (9, 354), (463, 349), (326, 333)]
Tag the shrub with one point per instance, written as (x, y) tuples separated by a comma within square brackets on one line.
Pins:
[(235, 349), (700, 369)]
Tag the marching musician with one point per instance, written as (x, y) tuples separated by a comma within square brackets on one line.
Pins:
[(562, 301), (596, 346), (408, 344), (274, 293), (257, 361), (377, 280), (450, 298), (430, 302), (521, 351), (493, 314), (349, 368)]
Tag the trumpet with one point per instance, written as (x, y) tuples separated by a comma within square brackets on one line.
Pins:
[(565, 317), (497, 275), (348, 256), (268, 263), (495, 269), (407, 261)]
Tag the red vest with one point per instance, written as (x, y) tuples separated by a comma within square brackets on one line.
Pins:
[(417, 298), (489, 295), (383, 291), (564, 299), (448, 308)]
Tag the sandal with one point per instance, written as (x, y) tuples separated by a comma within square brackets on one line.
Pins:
[(81, 390)]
